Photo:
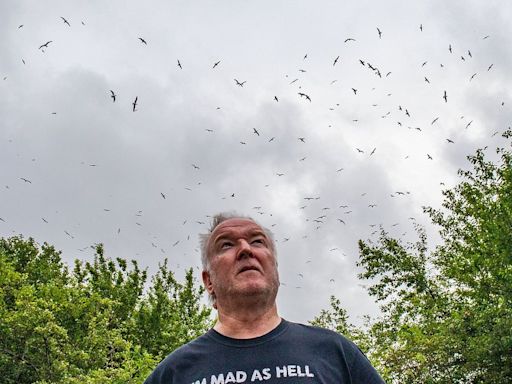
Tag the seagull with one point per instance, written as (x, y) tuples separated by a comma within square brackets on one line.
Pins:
[(450, 141), (241, 84), (445, 97), (215, 64), (421, 27), (335, 61), (113, 96), (256, 131), (143, 41), (195, 166), (276, 99), (373, 151), (473, 75), (163, 196), (179, 65), (490, 66), (135, 103), (433, 121), (380, 33), (65, 21), (355, 91), (304, 95), (26, 180), (45, 45), (303, 139), (349, 39), (429, 157)]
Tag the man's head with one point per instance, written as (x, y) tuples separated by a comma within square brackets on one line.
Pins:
[(239, 261)]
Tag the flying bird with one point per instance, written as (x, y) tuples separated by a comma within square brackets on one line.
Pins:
[(304, 95), (179, 65), (113, 96), (143, 41), (276, 99), (135, 103), (215, 64), (45, 45), (380, 33), (445, 97), (65, 21), (256, 131), (335, 61), (349, 39), (241, 84), (26, 180)]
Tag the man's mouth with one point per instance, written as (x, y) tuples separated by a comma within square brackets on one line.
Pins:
[(248, 268)]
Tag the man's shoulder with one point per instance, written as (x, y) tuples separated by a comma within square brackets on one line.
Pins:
[(197, 344), (181, 358), (316, 332)]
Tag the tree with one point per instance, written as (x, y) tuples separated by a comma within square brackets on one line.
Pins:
[(88, 325), (447, 313)]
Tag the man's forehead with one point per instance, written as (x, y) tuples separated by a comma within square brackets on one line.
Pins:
[(236, 224)]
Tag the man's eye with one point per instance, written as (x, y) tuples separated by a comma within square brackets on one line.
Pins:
[(225, 245), (258, 241)]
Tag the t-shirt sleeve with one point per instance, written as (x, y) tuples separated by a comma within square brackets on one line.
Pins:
[(361, 370)]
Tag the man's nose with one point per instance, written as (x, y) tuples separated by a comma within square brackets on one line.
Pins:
[(244, 249)]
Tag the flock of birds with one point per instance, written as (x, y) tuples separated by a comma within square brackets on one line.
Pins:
[(317, 212)]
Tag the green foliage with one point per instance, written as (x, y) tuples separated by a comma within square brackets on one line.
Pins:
[(92, 325), (446, 313)]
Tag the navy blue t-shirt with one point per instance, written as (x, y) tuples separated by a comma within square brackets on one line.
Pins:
[(290, 353)]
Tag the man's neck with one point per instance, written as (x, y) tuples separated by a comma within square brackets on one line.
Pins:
[(247, 324)]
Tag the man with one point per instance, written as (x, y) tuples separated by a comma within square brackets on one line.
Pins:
[(250, 343)]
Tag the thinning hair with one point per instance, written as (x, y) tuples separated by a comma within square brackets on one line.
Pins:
[(204, 238)]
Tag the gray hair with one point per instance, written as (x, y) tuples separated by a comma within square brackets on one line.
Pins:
[(216, 220)]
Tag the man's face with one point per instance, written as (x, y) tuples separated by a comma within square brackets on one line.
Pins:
[(241, 262)]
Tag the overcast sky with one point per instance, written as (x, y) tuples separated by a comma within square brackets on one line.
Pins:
[(370, 139)]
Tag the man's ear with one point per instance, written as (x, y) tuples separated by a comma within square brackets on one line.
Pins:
[(207, 281)]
